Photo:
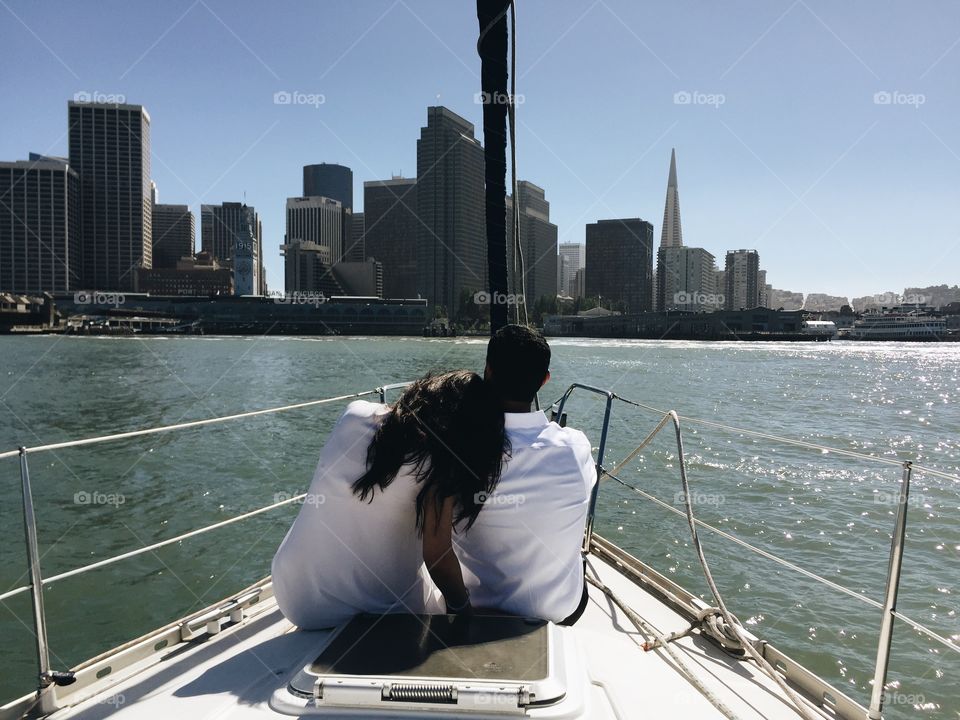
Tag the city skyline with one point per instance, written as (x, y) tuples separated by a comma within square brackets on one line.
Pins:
[(818, 178)]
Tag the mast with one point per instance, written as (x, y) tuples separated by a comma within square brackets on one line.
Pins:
[(492, 48)]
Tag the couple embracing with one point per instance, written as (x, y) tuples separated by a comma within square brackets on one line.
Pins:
[(458, 497)]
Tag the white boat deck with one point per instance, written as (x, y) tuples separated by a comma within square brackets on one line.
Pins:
[(233, 675)]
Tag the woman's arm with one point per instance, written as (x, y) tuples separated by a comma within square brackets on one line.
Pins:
[(438, 555)]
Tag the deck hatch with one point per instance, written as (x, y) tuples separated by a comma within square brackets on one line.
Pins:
[(478, 665)]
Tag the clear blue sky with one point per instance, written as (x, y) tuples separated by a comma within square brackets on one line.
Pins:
[(838, 193)]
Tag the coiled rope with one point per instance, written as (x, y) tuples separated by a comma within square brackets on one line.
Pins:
[(721, 624)]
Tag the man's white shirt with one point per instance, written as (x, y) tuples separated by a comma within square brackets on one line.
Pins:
[(522, 555)]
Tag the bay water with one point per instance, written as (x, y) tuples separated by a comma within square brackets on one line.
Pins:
[(830, 514)]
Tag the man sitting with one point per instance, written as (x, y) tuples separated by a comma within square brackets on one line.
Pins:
[(522, 555)]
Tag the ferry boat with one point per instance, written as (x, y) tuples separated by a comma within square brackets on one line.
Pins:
[(914, 325)]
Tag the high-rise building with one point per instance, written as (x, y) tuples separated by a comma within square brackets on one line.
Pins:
[(174, 235), (619, 264), (329, 180), (538, 245), (306, 269), (763, 289), (355, 246), (579, 289), (575, 254), (687, 279), (39, 227), (317, 220), (671, 234), (233, 234), (360, 278), (390, 219), (742, 278), (110, 151), (451, 232)]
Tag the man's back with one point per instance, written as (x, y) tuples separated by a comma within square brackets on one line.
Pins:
[(523, 553)]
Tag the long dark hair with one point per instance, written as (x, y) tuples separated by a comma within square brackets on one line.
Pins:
[(450, 428)]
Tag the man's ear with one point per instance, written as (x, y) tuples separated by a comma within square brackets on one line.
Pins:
[(546, 379), (487, 372)]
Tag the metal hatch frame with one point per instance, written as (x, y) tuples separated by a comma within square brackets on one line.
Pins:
[(434, 663)]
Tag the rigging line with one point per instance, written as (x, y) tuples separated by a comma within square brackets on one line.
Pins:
[(518, 262), (921, 628), (163, 543), (731, 620), (733, 626), (825, 449), (181, 426), (750, 547), (663, 644)]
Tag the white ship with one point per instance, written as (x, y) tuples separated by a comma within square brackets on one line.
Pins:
[(899, 325), (645, 647)]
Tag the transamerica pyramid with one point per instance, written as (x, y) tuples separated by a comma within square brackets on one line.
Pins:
[(671, 235)]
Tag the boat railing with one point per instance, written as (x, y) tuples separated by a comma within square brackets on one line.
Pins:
[(48, 677), (898, 535)]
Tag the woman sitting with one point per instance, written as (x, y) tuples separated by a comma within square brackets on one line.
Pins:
[(374, 532)]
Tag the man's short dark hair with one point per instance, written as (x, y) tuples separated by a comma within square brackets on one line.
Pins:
[(519, 360)]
